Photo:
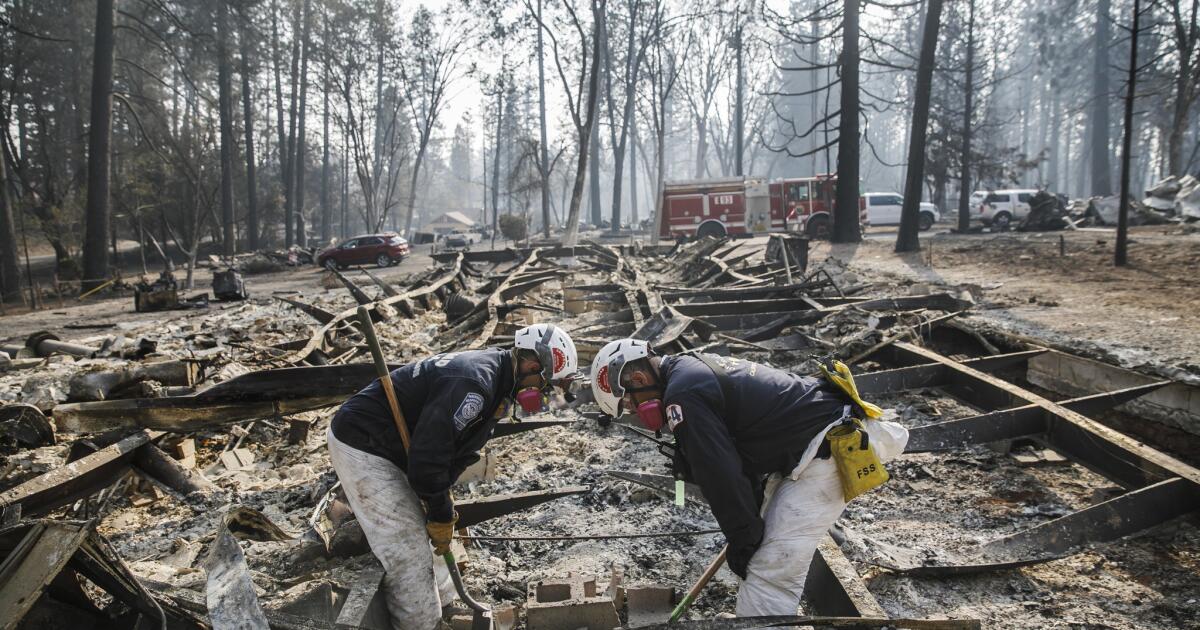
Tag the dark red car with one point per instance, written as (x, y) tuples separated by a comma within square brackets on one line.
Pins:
[(383, 250)]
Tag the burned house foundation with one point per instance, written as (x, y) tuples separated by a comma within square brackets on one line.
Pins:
[(190, 487)]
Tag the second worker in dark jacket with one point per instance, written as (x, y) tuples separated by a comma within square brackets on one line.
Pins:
[(733, 431)]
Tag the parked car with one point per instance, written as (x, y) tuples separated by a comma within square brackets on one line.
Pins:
[(884, 209), (457, 240), (1000, 208), (384, 250)]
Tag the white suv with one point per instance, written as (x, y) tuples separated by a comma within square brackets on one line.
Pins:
[(1000, 208), (884, 209)]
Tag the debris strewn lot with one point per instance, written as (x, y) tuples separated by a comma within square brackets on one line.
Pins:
[(177, 474)]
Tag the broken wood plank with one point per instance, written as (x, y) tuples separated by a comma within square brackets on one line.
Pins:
[(75, 480), (38, 558)]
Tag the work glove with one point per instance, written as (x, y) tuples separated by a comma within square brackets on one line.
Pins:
[(440, 534), (738, 558)]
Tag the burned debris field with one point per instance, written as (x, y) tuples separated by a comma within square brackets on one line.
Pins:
[(598, 314), (175, 472)]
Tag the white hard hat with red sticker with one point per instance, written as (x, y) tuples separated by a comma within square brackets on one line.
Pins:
[(606, 371), (553, 347)]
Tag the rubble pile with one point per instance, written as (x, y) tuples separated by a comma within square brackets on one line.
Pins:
[(1174, 200), (199, 490)]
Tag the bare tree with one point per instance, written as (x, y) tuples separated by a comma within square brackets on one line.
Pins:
[(1101, 167), (964, 193), (432, 64), (669, 45), (95, 253), (1120, 254), (845, 209), (225, 107), (582, 93), (252, 226), (907, 240)]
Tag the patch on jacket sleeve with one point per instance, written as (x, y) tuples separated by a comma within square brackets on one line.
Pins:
[(468, 410), (674, 416)]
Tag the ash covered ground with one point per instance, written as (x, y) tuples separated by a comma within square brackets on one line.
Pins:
[(945, 502)]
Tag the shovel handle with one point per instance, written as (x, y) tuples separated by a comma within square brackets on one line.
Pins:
[(691, 596), (385, 379)]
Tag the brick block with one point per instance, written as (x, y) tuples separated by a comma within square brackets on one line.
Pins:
[(568, 604)]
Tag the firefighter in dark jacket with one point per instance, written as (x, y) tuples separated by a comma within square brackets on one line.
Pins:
[(737, 423), (450, 403)]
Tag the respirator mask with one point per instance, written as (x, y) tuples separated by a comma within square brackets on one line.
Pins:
[(534, 400), (649, 412)]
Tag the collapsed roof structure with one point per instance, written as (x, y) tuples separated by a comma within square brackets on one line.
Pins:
[(231, 427)]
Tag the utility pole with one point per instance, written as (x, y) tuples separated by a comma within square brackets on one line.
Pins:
[(1119, 257)]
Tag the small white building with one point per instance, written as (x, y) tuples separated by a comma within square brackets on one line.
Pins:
[(450, 221)]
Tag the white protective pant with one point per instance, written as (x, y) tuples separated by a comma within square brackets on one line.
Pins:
[(797, 511), (394, 523)]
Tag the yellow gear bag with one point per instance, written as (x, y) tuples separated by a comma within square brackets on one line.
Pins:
[(837, 373), (859, 468)]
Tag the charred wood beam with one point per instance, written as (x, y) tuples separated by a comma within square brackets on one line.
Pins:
[(497, 298), (73, 481), (504, 429), (1012, 423), (100, 383), (763, 324), (787, 290), (262, 394), (322, 336), (359, 295), (739, 307), (154, 462), (1104, 522), (1100, 448), (388, 289), (40, 554), (321, 315), (935, 374), (475, 511)]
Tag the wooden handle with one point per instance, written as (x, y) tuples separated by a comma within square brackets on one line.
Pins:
[(691, 596), (368, 330)]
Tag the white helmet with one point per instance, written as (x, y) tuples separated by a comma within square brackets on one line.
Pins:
[(554, 349), (606, 371)]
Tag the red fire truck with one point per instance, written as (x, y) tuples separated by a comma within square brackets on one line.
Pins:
[(749, 205)]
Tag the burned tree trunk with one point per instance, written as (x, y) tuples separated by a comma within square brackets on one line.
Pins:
[(1101, 169), (326, 212), (248, 123), (10, 270), (544, 151), (301, 144), (964, 193), (845, 219), (1119, 256), (908, 240), (95, 250), (225, 113)]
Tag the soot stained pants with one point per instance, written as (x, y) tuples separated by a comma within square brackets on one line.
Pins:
[(394, 523)]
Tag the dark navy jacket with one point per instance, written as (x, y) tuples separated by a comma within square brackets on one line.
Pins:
[(449, 403), (729, 451)]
